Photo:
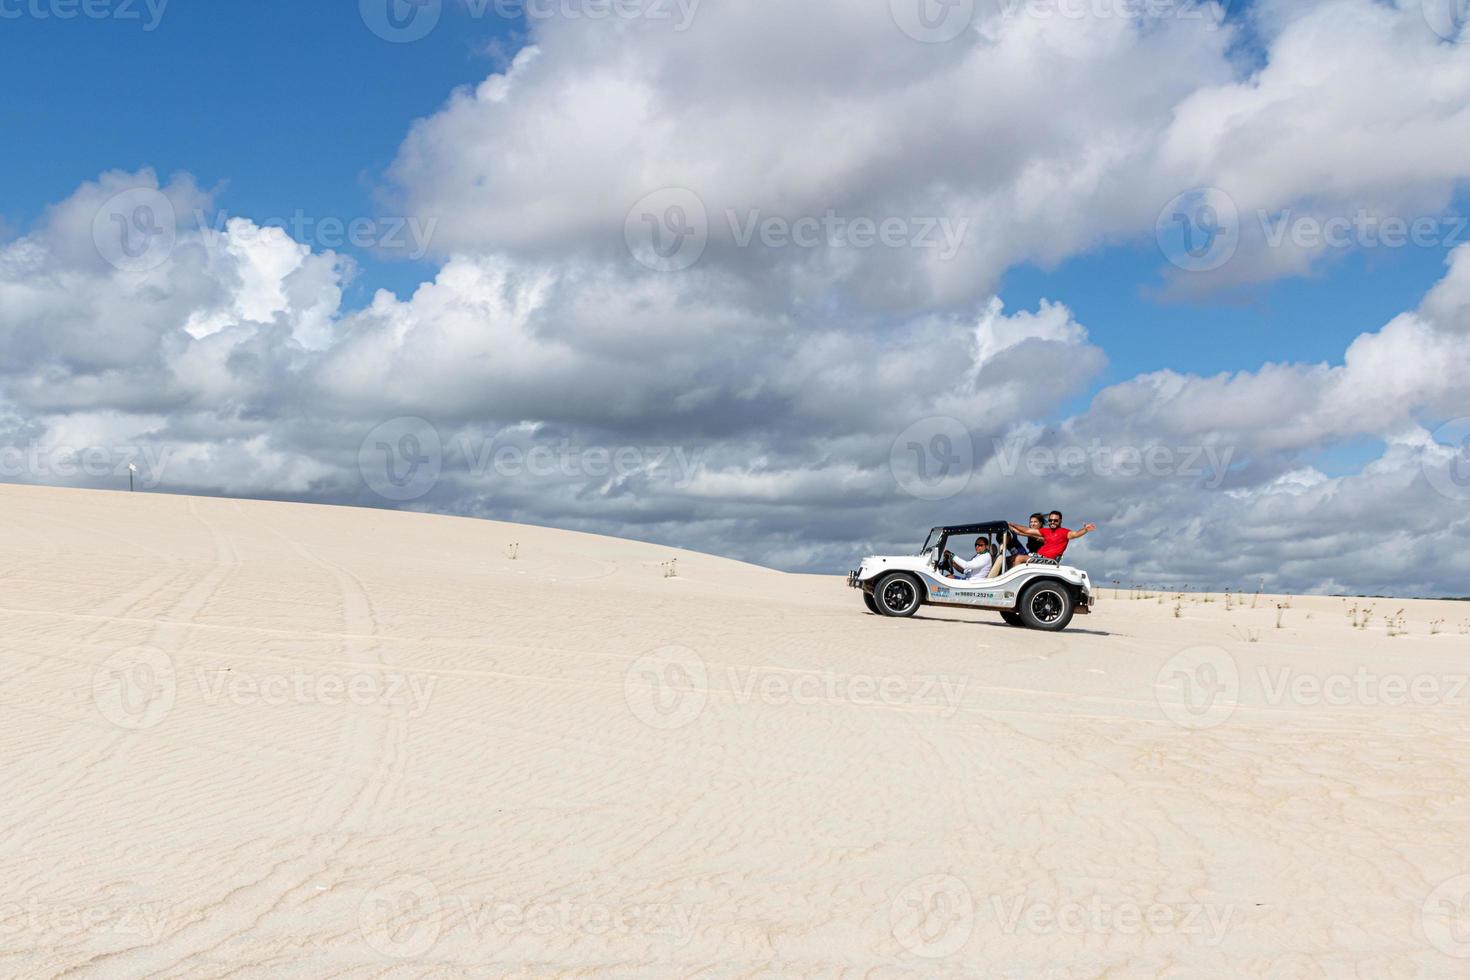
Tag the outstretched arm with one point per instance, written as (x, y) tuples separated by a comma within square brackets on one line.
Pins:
[(1024, 530), (1085, 529)]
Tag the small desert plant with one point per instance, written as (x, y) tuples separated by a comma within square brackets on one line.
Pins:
[(1260, 587), (671, 568), (1281, 607), (1435, 625), (514, 551), (1178, 605), (1397, 626)]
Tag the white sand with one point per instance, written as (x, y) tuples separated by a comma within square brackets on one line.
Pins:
[(248, 739)]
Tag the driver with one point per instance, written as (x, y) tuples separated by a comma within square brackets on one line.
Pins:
[(978, 566)]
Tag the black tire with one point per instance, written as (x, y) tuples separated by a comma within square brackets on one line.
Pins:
[(872, 606), (1046, 606), (898, 595), (1012, 619)]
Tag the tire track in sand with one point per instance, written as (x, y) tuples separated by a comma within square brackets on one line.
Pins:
[(375, 744), (55, 794)]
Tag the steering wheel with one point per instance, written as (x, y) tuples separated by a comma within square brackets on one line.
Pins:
[(946, 564)]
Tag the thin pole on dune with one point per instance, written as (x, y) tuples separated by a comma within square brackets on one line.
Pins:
[(132, 468)]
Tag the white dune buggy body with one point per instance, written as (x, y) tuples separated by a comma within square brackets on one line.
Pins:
[(1037, 596)]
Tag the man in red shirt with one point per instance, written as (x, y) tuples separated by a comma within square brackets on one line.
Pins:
[(1054, 540)]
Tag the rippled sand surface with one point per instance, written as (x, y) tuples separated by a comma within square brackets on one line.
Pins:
[(259, 739)]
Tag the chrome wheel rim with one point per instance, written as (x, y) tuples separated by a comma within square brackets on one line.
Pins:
[(1047, 606), (899, 595)]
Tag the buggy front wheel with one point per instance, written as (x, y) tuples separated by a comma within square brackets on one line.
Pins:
[(897, 594)]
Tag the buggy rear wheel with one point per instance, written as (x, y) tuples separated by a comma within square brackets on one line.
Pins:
[(1046, 606), (1012, 619), (870, 603)]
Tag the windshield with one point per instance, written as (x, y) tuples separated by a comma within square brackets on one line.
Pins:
[(932, 541)]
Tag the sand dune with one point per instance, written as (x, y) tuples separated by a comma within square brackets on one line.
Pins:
[(250, 739)]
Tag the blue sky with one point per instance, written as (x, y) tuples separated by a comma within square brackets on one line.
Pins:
[(283, 105)]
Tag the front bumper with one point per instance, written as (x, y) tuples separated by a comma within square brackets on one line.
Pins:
[(852, 579)]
